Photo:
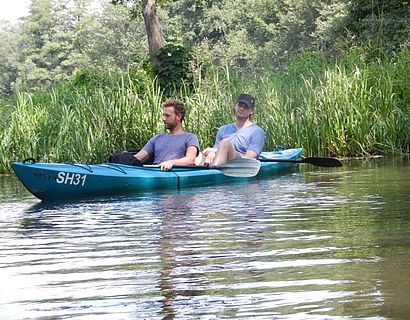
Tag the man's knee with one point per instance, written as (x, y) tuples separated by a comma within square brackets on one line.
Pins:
[(225, 144)]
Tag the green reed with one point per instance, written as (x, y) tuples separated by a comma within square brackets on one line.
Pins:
[(347, 109), (350, 108), (87, 129)]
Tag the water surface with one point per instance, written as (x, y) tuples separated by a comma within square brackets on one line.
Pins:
[(314, 244)]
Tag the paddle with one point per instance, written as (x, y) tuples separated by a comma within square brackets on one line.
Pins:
[(316, 161), (239, 167)]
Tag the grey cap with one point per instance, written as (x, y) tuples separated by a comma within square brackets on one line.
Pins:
[(247, 99)]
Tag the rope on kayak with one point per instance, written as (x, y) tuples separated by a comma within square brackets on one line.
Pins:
[(82, 166), (29, 160), (113, 167)]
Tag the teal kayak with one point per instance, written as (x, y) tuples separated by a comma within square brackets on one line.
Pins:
[(65, 181)]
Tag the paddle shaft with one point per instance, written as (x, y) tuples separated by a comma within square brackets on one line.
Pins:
[(186, 166), (240, 167), (316, 161)]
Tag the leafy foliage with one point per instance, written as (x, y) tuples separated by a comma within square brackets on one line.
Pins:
[(268, 32), (261, 35), (173, 67), (383, 23), (8, 59), (61, 37)]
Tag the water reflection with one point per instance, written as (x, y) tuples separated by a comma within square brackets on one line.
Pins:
[(177, 230), (314, 244), (12, 189)]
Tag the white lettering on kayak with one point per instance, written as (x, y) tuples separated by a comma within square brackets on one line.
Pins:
[(75, 179)]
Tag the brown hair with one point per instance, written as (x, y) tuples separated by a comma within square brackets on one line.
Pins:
[(179, 107)]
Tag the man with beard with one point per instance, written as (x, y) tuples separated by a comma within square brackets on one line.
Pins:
[(174, 148)]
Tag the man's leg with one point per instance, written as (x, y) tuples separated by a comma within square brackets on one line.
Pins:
[(225, 152)]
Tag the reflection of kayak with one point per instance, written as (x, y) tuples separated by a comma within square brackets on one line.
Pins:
[(57, 181)]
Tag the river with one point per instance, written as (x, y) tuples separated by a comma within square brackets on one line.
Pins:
[(319, 243)]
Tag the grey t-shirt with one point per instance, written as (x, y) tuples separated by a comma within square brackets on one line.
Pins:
[(166, 146), (250, 138)]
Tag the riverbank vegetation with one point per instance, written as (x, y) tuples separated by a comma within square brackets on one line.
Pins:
[(336, 97)]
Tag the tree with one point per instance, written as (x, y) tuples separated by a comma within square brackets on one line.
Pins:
[(60, 37), (386, 23), (152, 25), (113, 39), (48, 39), (8, 58), (35, 35)]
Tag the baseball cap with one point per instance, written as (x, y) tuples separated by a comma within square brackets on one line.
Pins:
[(247, 99)]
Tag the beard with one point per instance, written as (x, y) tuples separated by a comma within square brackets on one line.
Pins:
[(169, 126)]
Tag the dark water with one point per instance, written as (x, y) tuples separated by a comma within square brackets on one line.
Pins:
[(314, 244)]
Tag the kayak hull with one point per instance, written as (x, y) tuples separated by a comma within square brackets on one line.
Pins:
[(59, 182)]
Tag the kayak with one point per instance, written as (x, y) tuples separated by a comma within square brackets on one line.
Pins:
[(70, 181)]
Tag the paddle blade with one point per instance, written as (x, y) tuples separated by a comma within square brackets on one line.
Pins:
[(323, 161), (239, 167), (316, 161)]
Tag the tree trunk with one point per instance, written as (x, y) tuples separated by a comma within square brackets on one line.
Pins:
[(153, 27)]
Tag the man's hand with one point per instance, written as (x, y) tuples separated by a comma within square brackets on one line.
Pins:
[(166, 165), (209, 154)]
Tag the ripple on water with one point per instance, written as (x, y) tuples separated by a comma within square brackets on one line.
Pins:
[(309, 245)]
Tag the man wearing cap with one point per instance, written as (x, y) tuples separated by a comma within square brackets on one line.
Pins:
[(243, 138)]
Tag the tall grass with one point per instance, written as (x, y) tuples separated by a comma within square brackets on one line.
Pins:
[(86, 129), (353, 108), (350, 108)]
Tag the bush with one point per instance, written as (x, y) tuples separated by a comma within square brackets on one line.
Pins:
[(173, 69)]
